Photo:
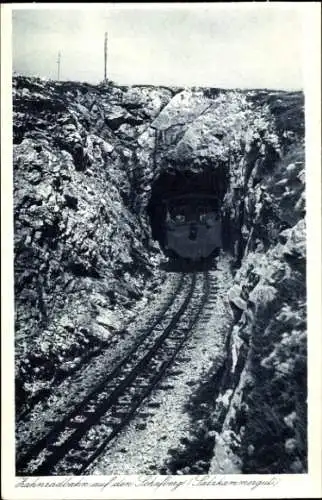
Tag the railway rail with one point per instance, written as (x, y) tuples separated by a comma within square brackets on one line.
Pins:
[(75, 442), (30, 430)]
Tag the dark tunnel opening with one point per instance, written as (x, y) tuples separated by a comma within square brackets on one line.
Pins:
[(173, 188)]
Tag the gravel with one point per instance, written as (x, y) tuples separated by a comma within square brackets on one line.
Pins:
[(163, 422)]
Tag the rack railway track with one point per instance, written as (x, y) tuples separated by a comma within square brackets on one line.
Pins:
[(26, 426), (75, 442)]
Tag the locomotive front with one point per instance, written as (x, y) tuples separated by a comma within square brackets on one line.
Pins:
[(192, 227)]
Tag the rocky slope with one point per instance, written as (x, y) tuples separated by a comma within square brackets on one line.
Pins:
[(82, 255), (261, 411), (87, 160)]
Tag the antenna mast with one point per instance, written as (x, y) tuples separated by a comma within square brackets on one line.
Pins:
[(58, 66), (105, 56)]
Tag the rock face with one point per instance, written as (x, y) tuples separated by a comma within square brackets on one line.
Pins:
[(82, 256), (86, 159), (225, 137), (262, 427)]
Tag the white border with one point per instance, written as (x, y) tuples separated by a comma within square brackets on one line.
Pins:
[(289, 486)]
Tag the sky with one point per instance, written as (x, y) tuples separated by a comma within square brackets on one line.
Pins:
[(230, 45)]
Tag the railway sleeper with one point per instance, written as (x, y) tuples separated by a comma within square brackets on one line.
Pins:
[(175, 372), (101, 397), (64, 435), (182, 359), (85, 444), (114, 420), (140, 384), (144, 414), (77, 420), (165, 386), (179, 334), (154, 404), (120, 414), (90, 409), (168, 351), (73, 464), (124, 399)]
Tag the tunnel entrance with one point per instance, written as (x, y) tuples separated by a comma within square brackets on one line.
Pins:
[(185, 211)]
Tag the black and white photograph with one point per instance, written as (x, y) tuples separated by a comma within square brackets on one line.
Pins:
[(160, 205)]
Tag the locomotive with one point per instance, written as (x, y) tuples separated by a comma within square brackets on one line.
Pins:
[(192, 227)]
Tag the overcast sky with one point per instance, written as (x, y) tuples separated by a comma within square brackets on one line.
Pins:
[(252, 45)]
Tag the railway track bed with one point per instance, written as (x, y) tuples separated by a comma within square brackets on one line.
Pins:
[(130, 393), (163, 424), (73, 390)]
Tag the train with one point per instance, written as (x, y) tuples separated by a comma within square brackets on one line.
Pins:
[(192, 227)]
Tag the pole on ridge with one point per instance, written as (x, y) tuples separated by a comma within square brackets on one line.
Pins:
[(105, 57), (58, 66)]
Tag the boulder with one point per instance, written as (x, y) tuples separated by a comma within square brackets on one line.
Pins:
[(108, 319), (235, 297)]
